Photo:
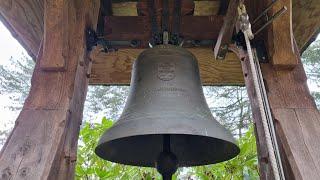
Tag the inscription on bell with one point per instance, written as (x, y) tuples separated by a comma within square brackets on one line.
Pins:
[(166, 71)]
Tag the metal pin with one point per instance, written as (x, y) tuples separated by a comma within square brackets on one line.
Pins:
[(276, 15), (264, 12)]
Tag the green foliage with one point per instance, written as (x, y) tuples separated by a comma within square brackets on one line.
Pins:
[(90, 166), (230, 105), (15, 80), (106, 100), (243, 166), (311, 62)]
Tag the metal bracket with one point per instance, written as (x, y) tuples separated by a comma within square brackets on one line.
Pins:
[(259, 45), (269, 20)]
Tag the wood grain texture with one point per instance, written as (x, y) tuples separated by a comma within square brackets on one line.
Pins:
[(296, 120), (55, 41), (226, 31), (280, 38), (265, 169), (115, 68), (306, 20), (299, 131), (24, 19), (43, 142)]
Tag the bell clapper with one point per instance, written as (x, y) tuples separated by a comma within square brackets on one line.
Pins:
[(167, 162)]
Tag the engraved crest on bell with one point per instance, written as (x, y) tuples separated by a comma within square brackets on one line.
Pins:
[(166, 71)]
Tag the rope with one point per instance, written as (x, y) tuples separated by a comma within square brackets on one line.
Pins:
[(273, 151)]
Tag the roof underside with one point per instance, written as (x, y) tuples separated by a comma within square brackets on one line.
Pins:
[(25, 19)]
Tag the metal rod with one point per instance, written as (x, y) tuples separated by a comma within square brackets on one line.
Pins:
[(276, 15), (264, 12)]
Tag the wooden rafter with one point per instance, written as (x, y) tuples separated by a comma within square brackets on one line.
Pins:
[(115, 68), (25, 20)]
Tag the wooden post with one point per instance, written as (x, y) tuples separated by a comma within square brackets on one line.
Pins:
[(280, 38), (265, 169), (296, 120), (43, 142)]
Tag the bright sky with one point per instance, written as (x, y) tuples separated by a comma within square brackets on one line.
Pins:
[(9, 47)]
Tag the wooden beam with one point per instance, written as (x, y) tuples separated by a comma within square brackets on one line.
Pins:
[(296, 120), (55, 36), (24, 19), (190, 27), (43, 142), (115, 68), (306, 21), (139, 27), (265, 169), (226, 31), (280, 38)]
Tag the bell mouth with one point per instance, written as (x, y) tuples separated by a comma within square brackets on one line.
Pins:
[(190, 150)]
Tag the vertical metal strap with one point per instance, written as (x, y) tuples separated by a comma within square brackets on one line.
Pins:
[(176, 23), (155, 39)]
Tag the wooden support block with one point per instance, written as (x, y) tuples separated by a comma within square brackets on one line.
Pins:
[(226, 31), (55, 42), (115, 68), (43, 143), (280, 38)]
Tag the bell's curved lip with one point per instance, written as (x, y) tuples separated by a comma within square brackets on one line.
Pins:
[(214, 150)]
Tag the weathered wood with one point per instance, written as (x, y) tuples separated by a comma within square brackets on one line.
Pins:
[(306, 21), (296, 120), (55, 36), (115, 68), (206, 8), (265, 169), (44, 140), (140, 27), (190, 27), (24, 19), (280, 38), (226, 31)]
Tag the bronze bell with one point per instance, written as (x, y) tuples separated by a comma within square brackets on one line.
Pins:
[(166, 122)]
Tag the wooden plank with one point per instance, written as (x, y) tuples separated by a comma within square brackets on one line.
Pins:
[(280, 38), (206, 8), (299, 131), (127, 28), (55, 41), (265, 169), (115, 68), (44, 140), (139, 27), (306, 21), (24, 19), (226, 31), (190, 27)]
